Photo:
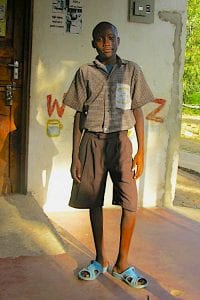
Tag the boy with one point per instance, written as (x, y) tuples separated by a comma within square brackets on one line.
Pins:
[(107, 96)]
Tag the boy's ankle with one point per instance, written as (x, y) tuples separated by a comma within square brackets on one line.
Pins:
[(120, 267), (102, 261)]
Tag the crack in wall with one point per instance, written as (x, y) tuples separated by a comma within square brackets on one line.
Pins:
[(174, 122)]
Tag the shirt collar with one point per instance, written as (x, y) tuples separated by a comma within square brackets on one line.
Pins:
[(119, 62)]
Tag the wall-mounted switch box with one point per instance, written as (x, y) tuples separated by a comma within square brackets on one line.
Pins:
[(141, 11)]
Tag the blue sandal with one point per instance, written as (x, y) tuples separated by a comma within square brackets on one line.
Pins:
[(92, 271), (132, 278)]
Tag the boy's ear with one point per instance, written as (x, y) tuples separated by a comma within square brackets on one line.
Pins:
[(93, 44), (118, 40)]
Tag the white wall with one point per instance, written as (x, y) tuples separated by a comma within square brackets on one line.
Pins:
[(157, 47)]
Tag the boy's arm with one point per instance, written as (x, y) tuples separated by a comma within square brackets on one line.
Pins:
[(76, 165), (138, 161)]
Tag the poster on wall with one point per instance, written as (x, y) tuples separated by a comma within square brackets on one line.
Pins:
[(66, 16), (3, 7)]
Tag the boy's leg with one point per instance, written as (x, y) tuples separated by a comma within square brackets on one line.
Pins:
[(96, 219), (126, 231), (124, 194)]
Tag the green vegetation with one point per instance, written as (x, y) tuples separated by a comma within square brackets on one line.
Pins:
[(191, 77), (195, 97), (195, 100), (190, 111)]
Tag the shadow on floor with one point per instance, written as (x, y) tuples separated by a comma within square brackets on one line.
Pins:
[(40, 257)]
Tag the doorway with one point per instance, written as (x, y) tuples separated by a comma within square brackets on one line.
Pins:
[(15, 56)]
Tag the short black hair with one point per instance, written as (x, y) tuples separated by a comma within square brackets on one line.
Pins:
[(103, 25)]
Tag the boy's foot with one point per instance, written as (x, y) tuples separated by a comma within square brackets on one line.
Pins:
[(92, 271), (132, 278)]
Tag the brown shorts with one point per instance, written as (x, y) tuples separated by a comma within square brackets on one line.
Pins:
[(99, 154)]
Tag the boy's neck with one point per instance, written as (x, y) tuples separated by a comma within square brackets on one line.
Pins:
[(108, 61)]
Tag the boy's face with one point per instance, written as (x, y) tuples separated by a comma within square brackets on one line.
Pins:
[(106, 42)]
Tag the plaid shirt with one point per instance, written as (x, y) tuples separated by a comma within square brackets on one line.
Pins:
[(107, 99)]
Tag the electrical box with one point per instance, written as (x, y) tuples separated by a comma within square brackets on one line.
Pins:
[(141, 11)]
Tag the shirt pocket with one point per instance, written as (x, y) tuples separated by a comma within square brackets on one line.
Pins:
[(123, 96)]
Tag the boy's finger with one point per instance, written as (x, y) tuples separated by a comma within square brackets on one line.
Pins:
[(75, 175), (76, 179), (79, 176), (139, 172), (134, 170), (133, 165), (137, 175)]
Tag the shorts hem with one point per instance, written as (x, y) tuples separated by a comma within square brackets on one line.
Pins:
[(84, 207)]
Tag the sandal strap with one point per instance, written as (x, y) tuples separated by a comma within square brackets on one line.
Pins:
[(132, 276), (95, 266), (93, 269)]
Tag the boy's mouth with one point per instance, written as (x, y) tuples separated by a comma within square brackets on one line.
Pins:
[(107, 50)]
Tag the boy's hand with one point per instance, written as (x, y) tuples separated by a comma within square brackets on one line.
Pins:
[(76, 170), (138, 164)]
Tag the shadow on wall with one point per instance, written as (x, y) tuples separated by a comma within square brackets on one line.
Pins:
[(43, 150), (50, 149)]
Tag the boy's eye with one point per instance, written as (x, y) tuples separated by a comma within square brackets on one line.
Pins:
[(103, 38), (111, 37), (99, 39)]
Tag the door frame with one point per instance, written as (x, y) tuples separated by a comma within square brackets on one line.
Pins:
[(26, 80)]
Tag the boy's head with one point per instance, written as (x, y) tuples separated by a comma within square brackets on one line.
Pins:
[(105, 40)]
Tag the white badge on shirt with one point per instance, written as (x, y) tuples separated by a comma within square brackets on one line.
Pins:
[(123, 96)]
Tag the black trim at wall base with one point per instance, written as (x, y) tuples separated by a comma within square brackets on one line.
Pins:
[(26, 95)]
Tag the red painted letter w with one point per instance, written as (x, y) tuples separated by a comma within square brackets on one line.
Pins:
[(51, 107)]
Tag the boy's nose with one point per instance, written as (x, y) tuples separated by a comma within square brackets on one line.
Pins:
[(106, 40)]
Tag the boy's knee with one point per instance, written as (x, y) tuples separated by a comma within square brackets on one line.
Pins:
[(127, 212)]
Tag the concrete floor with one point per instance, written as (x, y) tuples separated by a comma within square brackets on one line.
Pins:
[(187, 189), (40, 256), (190, 161), (189, 155)]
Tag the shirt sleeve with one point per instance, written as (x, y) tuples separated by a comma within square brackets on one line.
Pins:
[(76, 94), (141, 92)]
